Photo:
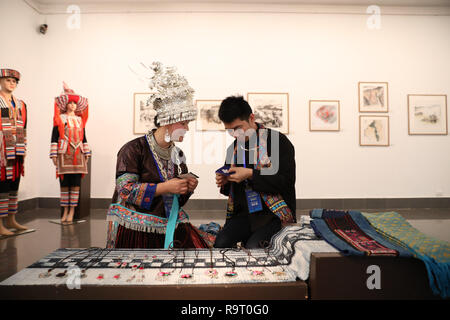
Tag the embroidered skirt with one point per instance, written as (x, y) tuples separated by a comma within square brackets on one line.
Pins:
[(132, 229)]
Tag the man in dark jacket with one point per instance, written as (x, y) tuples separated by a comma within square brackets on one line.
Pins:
[(261, 181)]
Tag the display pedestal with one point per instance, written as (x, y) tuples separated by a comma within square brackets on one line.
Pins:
[(17, 233)]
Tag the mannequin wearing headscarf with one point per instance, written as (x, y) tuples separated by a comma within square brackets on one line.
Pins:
[(69, 149)]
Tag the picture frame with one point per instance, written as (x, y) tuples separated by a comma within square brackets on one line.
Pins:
[(208, 115), (271, 109), (427, 114), (324, 115), (373, 96), (143, 113), (374, 130)]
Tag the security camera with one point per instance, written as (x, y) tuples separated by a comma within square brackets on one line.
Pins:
[(43, 28)]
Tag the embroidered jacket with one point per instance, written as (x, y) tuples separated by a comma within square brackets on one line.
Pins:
[(71, 148), (13, 141), (137, 176)]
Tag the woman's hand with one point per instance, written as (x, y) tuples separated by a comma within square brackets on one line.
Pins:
[(176, 186), (54, 161), (192, 184)]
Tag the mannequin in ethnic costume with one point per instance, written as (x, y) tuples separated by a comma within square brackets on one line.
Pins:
[(261, 184), (146, 207), (69, 149), (12, 149)]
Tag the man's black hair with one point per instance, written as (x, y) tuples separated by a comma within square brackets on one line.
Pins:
[(233, 108)]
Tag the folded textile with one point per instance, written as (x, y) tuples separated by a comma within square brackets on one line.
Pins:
[(211, 227), (351, 234), (433, 252)]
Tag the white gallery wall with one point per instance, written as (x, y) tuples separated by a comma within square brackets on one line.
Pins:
[(310, 56)]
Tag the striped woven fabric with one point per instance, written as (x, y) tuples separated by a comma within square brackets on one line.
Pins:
[(12, 204), (64, 199), (20, 149), (351, 234), (62, 100), (9, 73), (9, 173), (53, 150), (74, 196), (433, 252), (4, 204), (278, 206), (86, 149)]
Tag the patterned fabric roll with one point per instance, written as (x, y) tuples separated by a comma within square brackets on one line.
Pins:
[(4, 199), (74, 196), (64, 198), (12, 203), (10, 73), (9, 172), (53, 150), (86, 149)]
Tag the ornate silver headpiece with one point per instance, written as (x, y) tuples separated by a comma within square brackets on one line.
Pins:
[(173, 97)]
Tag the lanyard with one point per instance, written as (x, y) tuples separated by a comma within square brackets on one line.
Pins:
[(258, 157)]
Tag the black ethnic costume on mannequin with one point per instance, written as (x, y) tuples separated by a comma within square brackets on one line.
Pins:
[(13, 142), (140, 217)]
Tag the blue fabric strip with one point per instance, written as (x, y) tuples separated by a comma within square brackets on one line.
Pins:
[(365, 226), (321, 227), (170, 231), (148, 196)]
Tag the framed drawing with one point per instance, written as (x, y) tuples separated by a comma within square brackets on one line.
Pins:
[(271, 109), (143, 113), (324, 115), (427, 114), (373, 97), (208, 115), (374, 130)]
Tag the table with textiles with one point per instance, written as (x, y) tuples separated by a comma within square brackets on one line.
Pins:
[(270, 273), (332, 255)]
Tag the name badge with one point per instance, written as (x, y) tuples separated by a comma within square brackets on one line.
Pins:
[(253, 200)]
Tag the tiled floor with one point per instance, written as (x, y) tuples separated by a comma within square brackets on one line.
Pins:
[(19, 252)]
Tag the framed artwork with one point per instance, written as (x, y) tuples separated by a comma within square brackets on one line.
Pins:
[(324, 115), (373, 97), (374, 130), (144, 113), (271, 109), (208, 115), (427, 114)]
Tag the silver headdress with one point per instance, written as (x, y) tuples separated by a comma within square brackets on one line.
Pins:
[(173, 99)]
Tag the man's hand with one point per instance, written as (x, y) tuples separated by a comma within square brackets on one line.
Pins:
[(239, 174)]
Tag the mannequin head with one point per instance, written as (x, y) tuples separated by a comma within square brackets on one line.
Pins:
[(71, 107), (8, 84)]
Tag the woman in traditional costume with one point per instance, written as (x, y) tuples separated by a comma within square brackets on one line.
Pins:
[(146, 209), (69, 149)]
